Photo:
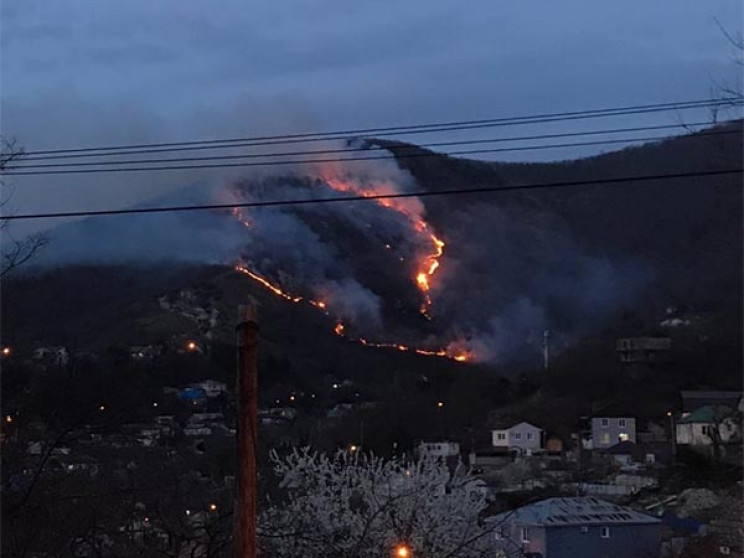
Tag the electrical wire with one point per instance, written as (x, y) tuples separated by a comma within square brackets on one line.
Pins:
[(411, 129), (346, 199), (18, 167), (345, 159)]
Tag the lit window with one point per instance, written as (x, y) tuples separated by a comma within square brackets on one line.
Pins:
[(621, 423), (605, 423), (604, 438), (525, 535), (605, 532), (623, 437)]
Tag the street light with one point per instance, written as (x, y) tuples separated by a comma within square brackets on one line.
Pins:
[(402, 551), (191, 346), (213, 507), (440, 404), (7, 351)]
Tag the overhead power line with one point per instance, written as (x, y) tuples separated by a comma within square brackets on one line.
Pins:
[(404, 130), (346, 199), (391, 156), (22, 167)]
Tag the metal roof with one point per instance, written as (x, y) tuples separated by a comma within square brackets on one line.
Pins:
[(558, 512)]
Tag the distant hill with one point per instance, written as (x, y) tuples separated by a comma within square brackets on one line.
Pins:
[(576, 261)]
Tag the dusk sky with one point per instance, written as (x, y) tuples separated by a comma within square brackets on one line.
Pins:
[(78, 73)]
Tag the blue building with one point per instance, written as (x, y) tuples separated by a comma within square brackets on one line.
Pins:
[(583, 527)]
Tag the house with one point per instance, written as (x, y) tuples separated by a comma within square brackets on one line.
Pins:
[(211, 388), (693, 400), (708, 425), (197, 430), (629, 453), (643, 349), (57, 356), (277, 415), (579, 527), (145, 352), (442, 449), (489, 459), (554, 445), (192, 394), (608, 431), (70, 464), (523, 438)]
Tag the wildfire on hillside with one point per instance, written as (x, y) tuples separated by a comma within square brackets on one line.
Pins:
[(340, 329), (427, 262)]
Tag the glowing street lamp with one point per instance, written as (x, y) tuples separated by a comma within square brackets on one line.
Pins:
[(191, 346), (8, 419), (402, 551), (440, 404), (7, 351), (212, 507), (353, 448)]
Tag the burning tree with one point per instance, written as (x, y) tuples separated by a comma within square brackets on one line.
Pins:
[(358, 505)]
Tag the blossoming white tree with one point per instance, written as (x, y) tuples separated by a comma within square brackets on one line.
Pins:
[(353, 505)]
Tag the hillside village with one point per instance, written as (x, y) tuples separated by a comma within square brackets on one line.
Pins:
[(664, 483)]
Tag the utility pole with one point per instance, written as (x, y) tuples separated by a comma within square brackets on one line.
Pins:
[(673, 436), (246, 501), (546, 353)]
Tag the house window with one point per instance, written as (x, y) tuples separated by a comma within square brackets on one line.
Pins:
[(584, 529), (623, 437), (604, 438), (518, 436), (501, 436), (621, 423), (605, 533), (499, 534), (605, 423), (525, 535), (529, 435), (706, 430)]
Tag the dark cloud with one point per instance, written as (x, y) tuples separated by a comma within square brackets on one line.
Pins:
[(85, 72)]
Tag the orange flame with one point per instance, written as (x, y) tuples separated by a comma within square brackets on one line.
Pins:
[(429, 264), (236, 211), (273, 288), (425, 269)]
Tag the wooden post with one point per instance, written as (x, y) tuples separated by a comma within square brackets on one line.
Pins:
[(245, 541)]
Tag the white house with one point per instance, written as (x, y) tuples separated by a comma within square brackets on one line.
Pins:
[(699, 428), (524, 437), (439, 449), (608, 431)]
